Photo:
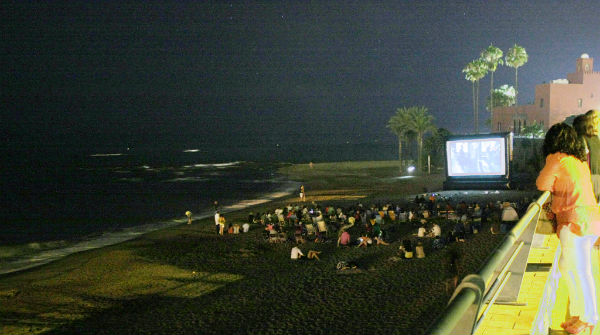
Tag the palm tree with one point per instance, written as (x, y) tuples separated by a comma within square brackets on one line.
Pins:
[(421, 122), (435, 145), (492, 56), (474, 71), (515, 58), (399, 125)]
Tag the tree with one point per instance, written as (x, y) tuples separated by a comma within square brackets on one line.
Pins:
[(474, 71), (492, 56), (399, 125), (504, 96), (515, 58), (435, 145), (535, 130), (421, 122)]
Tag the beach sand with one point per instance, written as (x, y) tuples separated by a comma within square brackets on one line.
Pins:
[(187, 280)]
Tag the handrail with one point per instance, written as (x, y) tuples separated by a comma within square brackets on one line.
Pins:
[(460, 316)]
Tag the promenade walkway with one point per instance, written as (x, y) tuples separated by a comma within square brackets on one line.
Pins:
[(524, 316)]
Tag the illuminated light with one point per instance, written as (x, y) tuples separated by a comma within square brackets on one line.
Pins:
[(410, 169)]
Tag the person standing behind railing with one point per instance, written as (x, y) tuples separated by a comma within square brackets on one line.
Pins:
[(567, 176), (592, 140)]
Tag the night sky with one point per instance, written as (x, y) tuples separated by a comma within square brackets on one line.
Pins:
[(85, 74)]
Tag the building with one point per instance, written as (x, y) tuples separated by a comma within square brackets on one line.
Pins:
[(554, 101)]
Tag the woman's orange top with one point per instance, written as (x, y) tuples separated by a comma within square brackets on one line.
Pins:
[(573, 201)]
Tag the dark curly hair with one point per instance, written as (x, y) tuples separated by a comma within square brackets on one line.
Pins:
[(563, 138)]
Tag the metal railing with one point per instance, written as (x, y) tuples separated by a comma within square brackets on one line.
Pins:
[(499, 280)]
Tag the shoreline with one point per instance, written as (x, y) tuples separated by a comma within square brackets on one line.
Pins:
[(65, 248), (185, 279)]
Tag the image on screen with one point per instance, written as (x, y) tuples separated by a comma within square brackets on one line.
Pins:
[(476, 157)]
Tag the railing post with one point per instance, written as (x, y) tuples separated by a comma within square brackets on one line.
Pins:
[(466, 301)]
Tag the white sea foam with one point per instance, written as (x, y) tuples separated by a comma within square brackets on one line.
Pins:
[(132, 180), (217, 165), (110, 238), (185, 179), (191, 150)]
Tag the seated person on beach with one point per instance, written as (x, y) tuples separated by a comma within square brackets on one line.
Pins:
[(313, 254), (245, 227), (459, 232), (298, 233), (296, 253), (344, 239), (422, 231), (364, 241), (420, 252), (402, 217), (376, 229), (379, 241), (509, 217), (476, 217), (436, 231), (406, 249), (236, 228)]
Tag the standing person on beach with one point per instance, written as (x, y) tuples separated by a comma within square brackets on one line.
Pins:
[(218, 221), (221, 225), (302, 194), (567, 176)]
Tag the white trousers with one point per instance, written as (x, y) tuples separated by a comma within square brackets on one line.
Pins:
[(576, 266)]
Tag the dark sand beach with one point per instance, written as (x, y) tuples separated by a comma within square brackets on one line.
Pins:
[(187, 280)]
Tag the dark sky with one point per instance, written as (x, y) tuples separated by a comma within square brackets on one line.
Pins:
[(144, 73)]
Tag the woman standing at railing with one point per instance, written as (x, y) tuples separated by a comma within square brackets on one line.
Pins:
[(567, 177)]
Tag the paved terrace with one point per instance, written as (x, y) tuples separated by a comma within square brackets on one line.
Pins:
[(541, 285)]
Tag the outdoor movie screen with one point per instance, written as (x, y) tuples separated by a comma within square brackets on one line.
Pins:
[(476, 157)]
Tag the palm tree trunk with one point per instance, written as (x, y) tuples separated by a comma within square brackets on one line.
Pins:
[(477, 100), (516, 85), (400, 154), (419, 153), (492, 94), (475, 114)]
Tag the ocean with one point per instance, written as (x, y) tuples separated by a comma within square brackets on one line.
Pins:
[(58, 201)]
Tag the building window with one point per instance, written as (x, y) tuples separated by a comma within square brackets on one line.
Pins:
[(541, 102), (514, 126), (524, 123), (499, 129), (579, 102)]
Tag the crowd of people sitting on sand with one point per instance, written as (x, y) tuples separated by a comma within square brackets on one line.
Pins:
[(431, 222)]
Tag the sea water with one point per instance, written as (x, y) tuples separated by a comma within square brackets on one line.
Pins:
[(56, 202)]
